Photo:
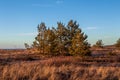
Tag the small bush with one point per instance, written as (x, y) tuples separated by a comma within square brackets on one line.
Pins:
[(111, 53)]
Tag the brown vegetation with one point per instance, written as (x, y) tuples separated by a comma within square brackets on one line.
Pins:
[(21, 66), (36, 71)]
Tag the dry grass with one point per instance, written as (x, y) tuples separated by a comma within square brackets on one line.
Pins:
[(36, 71), (21, 66)]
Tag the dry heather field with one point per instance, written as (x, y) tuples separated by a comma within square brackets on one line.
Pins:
[(24, 65)]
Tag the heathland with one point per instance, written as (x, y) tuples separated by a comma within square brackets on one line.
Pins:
[(27, 65)]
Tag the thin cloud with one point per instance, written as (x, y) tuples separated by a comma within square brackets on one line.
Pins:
[(26, 34), (45, 5), (59, 2), (107, 37), (91, 28), (42, 5)]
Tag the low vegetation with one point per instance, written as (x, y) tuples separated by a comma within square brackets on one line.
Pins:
[(22, 65), (36, 71)]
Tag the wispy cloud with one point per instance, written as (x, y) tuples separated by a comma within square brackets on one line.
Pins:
[(27, 34), (46, 5), (107, 37), (42, 5), (92, 28), (59, 1)]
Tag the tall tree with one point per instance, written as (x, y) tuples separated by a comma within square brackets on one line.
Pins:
[(79, 44), (50, 45), (40, 39), (61, 38)]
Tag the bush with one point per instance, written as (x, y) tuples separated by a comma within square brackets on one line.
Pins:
[(111, 53)]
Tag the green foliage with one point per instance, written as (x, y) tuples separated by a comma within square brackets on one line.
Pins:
[(99, 44), (63, 40), (118, 44), (79, 44)]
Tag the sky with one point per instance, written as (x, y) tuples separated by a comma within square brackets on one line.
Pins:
[(99, 19)]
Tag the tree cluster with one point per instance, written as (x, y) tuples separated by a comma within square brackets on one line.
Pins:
[(62, 40)]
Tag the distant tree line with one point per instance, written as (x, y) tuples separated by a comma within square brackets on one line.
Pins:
[(99, 44)]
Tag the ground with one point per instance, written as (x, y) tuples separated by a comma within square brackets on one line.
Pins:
[(26, 65)]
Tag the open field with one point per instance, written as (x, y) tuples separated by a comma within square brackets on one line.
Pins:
[(23, 65)]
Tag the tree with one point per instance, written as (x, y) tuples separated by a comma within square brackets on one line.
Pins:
[(26, 46), (61, 33), (99, 44), (40, 39), (50, 45), (78, 42), (118, 44)]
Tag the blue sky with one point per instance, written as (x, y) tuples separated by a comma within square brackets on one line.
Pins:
[(99, 19)]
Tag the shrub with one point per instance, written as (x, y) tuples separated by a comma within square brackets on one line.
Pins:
[(111, 53)]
